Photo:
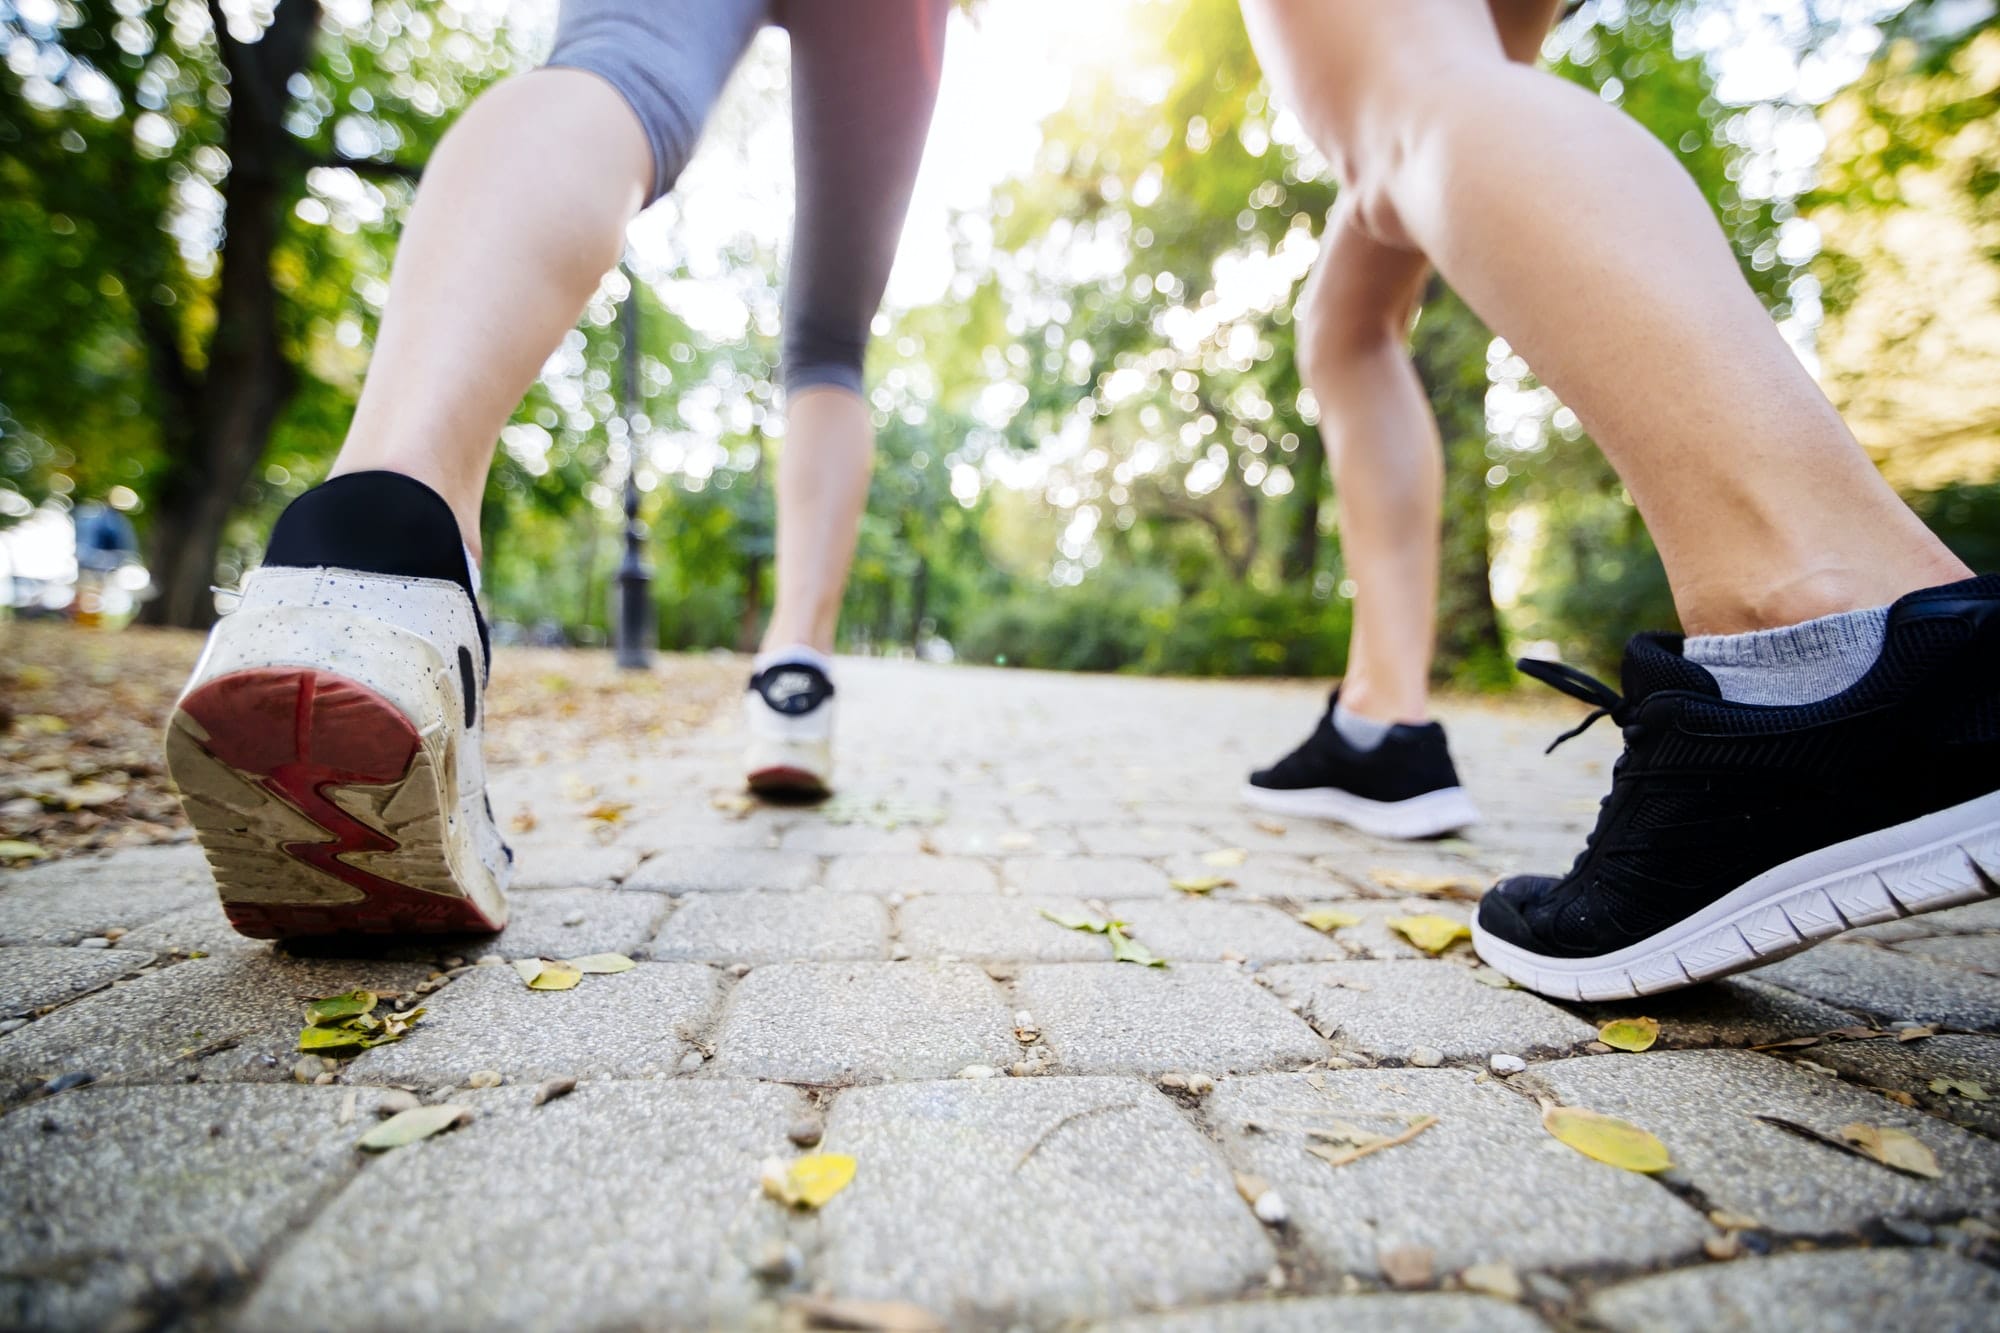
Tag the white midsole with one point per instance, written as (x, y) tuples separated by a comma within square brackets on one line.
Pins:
[(1423, 816), (1918, 866)]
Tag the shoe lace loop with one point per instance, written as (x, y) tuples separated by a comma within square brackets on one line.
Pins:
[(1605, 701)]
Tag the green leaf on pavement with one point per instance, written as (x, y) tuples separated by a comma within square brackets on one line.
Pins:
[(555, 976), (332, 1008), (1630, 1034), (1125, 949)]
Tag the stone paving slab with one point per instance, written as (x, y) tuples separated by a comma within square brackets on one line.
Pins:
[(129, 1198), (774, 928), (631, 1024), (199, 929), (76, 899), (1370, 937), (1485, 1184), (1389, 1009), (1735, 1011), (1890, 984), (701, 869), (1262, 876), (1979, 953), (1208, 930), (618, 1206), (1101, 877), (909, 874), (821, 838), (1119, 1018), (540, 865), (33, 978), (994, 929), (968, 839), (1701, 1103), (1843, 1291), (244, 1008), (1128, 837), (1911, 1066), (1032, 1201), (569, 923), (836, 1023), (1423, 1312)]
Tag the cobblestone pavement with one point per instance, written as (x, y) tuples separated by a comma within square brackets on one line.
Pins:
[(1045, 1138)]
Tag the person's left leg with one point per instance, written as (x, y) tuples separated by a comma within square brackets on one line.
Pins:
[(864, 79), (1375, 759)]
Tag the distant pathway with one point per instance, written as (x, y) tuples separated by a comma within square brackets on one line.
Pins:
[(1044, 1138)]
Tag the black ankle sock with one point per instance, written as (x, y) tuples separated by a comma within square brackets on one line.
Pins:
[(374, 523)]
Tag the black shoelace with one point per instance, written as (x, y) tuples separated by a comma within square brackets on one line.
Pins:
[(1605, 701)]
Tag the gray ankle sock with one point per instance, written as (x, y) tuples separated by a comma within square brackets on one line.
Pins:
[(1362, 733), (1797, 664)]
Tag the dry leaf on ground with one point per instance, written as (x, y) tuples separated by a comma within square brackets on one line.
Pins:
[(1201, 884), (1630, 1034), (1330, 919), (1897, 1149), (1964, 1087), (809, 1181), (1430, 932), (406, 1127), (821, 1312), (1893, 1148), (346, 1025), (1227, 858), (601, 964), (1408, 1266), (1607, 1139), (1343, 1142), (555, 976), (1428, 886)]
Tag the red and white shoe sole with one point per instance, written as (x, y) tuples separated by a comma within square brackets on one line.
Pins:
[(785, 780), (319, 808)]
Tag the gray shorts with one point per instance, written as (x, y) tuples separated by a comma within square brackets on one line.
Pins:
[(864, 79)]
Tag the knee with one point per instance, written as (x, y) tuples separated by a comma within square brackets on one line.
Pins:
[(823, 353)]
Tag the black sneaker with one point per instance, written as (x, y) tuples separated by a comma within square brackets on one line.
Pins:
[(1737, 833), (1403, 788)]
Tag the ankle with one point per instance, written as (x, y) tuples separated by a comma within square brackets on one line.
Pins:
[(1813, 591)]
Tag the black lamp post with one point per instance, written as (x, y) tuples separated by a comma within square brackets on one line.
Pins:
[(635, 576)]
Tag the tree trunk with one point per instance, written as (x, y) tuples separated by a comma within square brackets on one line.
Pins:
[(920, 595), (248, 381), (1300, 558)]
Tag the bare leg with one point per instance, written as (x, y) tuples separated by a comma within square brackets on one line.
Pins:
[(1576, 235), (823, 475), (522, 211), (1382, 439), (1388, 470)]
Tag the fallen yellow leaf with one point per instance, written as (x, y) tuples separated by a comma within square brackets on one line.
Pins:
[(608, 812), (1607, 1139), (1329, 919), (555, 976), (1429, 931), (809, 1181), (1427, 886), (1205, 884), (601, 963), (1893, 1148), (1226, 858), (1630, 1034)]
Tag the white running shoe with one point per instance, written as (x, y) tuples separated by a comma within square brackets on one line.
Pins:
[(788, 710), (327, 751)]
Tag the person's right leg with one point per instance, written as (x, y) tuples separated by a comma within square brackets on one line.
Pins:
[(1577, 237), (1854, 779)]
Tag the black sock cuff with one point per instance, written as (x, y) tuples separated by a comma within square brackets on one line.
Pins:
[(374, 523)]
